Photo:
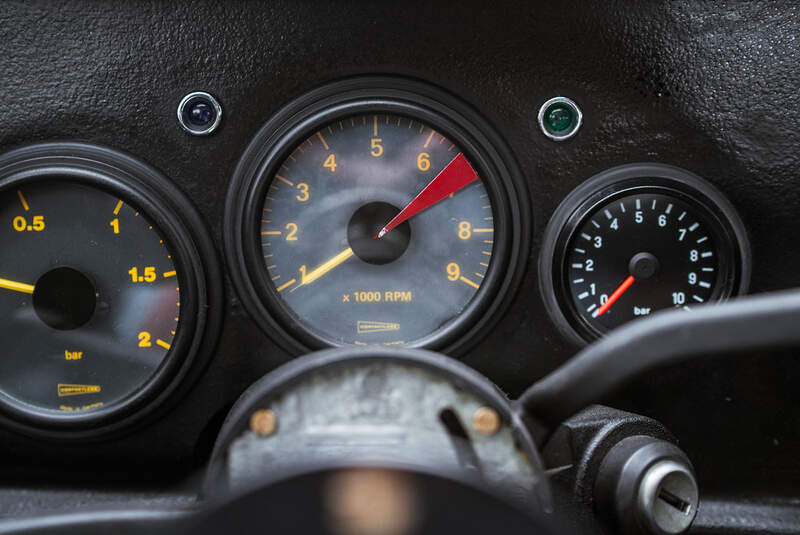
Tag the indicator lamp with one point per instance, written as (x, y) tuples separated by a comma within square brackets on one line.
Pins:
[(199, 113), (560, 118)]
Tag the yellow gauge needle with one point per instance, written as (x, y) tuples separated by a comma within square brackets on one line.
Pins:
[(308, 278), (16, 286)]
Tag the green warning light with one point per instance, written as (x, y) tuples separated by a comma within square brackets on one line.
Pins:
[(560, 118)]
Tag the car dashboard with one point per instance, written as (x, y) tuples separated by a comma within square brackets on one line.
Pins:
[(297, 246)]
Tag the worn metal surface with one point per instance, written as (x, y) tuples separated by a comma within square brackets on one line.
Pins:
[(379, 412)]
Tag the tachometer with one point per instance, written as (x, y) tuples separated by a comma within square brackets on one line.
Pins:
[(371, 220), (331, 198)]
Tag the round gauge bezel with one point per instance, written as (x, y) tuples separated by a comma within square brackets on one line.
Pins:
[(726, 227), (726, 278), (193, 256), (419, 101)]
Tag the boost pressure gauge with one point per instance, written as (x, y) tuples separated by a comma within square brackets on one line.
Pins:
[(108, 290), (637, 239), (375, 211)]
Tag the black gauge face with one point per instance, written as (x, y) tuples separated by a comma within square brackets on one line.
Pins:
[(324, 206), (639, 253), (637, 239), (89, 297)]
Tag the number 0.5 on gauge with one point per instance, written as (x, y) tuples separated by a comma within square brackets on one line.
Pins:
[(89, 296)]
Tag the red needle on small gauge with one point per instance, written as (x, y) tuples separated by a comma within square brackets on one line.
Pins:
[(457, 174), (616, 295)]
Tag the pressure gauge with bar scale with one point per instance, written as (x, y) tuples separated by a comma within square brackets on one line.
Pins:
[(637, 239), (109, 292)]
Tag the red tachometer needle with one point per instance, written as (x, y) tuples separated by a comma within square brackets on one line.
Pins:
[(457, 174), (616, 295)]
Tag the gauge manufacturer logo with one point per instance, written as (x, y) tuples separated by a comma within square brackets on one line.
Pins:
[(367, 327), (77, 390)]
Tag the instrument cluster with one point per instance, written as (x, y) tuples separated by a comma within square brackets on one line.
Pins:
[(373, 210)]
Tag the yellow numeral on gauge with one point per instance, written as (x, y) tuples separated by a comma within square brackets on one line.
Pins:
[(464, 230), (148, 274), (20, 224), (330, 163), (291, 232), (453, 271), (114, 223), (377, 148), (423, 161), (304, 195), (144, 339)]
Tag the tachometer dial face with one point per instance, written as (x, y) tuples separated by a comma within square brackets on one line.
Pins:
[(376, 210), (326, 205), (640, 253), (89, 294)]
